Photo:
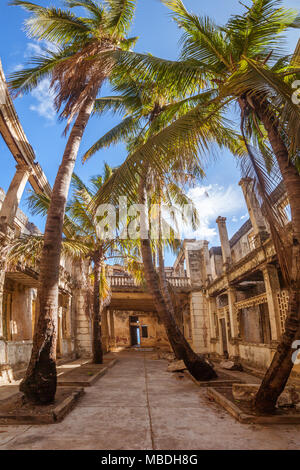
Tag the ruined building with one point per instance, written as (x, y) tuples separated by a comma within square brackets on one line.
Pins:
[(230, 300)]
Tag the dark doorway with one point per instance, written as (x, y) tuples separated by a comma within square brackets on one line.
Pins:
[(135, 335), (224, 337)]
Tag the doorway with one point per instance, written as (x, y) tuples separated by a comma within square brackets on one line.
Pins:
[(224, 337), (135, 337)]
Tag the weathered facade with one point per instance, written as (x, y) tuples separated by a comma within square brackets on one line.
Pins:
[(231, 300), (238, 301)]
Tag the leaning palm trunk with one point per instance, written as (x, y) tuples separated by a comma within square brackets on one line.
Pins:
[(279, 371), (166, 295), (195, 363), (39, 384), (97, 338)]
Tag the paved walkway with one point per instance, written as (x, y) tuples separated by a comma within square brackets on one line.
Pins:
[(138, 405)]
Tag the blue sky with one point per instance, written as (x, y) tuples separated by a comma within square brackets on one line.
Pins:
[(218, 194)]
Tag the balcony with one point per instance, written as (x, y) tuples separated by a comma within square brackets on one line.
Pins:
[(125, 282)]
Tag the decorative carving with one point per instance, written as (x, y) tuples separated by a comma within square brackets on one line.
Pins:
[(283, 301)]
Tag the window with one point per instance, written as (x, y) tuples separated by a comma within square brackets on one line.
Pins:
[(134, 319), (144, 331)]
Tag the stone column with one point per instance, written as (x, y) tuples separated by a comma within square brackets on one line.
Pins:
[(206, 261), (13, 196), (105, 330), (2, 279), (69, 316), (225, 246), (233, 345), (212, 308), (112, 342), (255, 213), (193, 262), (199, 322), (231, 293), (83, 325), (272, 288), (2, 341)]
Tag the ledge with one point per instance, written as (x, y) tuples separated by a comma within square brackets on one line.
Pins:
[(13, 412), (223, 380), (245, 418)]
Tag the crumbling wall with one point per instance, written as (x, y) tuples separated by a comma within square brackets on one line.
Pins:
[(156, 331)]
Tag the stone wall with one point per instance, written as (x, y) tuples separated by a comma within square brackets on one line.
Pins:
[(156, 331)]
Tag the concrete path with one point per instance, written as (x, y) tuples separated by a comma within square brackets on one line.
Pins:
[(138, 405)]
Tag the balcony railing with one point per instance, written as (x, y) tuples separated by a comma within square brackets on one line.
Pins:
[(125, 281), (179, 281)]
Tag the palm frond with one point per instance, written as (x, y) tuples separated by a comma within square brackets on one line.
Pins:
[(53, 24), (120, 16), (93, 7), (115, 104), (202, 39), (186, 139), (24, 81), (186, 76), (119, 133), (258, 31)]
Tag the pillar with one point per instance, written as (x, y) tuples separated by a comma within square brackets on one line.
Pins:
[(206, 261), (2, 279), (104, 330), (199, 323), (13, 196), (193, 262), (231, 293), (112, 328), (2, 342), (225, 246), (212, 309), (234, 327), (272, 288), (255, 213)]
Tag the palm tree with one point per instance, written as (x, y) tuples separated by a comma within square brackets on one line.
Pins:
[(243, 63), (149, 108), (81, 61), (78, 210), (81, 241), (100, 249)]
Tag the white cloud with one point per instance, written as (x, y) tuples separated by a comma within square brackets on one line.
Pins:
[(212, 201), (42, 94), (17, 68), (44, 97), (32, 49)]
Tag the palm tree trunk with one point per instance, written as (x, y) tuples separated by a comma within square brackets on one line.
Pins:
[(195, 363), (279, 371), (166, 294), (39, 384), (97, 338)]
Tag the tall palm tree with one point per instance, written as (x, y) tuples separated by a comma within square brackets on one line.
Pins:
[(81, 61), (243, 63), (78, 210), (148, 110), (81, 241)]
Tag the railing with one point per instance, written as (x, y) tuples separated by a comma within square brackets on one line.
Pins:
[(251, 301), (179, 281), (124, 281)]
